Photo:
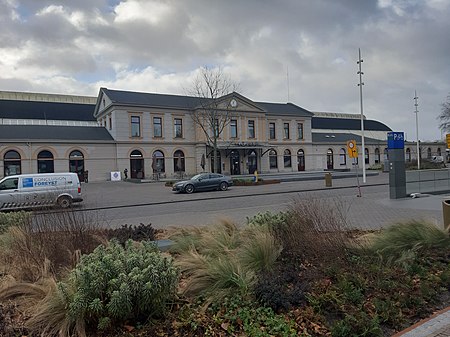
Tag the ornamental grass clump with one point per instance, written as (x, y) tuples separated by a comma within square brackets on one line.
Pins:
[(223, 260), (403, 240)]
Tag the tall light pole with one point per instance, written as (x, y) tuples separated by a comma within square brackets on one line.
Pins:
[(416, 111), (360, 84)]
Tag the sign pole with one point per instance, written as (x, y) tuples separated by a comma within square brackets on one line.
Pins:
[(357, 177)]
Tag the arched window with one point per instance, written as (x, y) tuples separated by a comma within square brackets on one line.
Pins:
[(386, 154), (178, 161), (377, 156), (366, 155), (408, 155), (76, 163), (158, 165), (301, 160), (438, 151), (45, 162), (342, 157), (330, 163), (137, 165), (287, 158), (273, 162), (12, 163), (429, 153)]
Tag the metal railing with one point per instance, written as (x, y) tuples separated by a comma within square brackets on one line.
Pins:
[(427, 181)]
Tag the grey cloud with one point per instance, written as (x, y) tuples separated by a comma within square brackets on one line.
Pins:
[(256, 40)]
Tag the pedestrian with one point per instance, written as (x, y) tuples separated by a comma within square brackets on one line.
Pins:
[(125, 173)]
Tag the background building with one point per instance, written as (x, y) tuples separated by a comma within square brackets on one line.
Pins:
[(153, 136)]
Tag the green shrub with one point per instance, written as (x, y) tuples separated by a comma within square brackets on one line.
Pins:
[(376, 167), (268, 219), (133, 232), (358, 325), (115, 284), (243, 317), (13, 219)]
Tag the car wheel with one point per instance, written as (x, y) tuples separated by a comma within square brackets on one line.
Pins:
[(64, 202), (189, 189), (223, 186)]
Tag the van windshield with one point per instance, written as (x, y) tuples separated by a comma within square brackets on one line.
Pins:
[(9, 184)]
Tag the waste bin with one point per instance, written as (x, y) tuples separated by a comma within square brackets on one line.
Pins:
[(328, 180), (446, 213)]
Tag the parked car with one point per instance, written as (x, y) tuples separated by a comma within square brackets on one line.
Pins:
[(437, 159), (203, 182)]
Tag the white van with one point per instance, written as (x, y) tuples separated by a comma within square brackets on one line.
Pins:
[(38, 190)]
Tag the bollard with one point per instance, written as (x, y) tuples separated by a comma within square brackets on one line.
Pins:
[(328, 180), (446, 214)]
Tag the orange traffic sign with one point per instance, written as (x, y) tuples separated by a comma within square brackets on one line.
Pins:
[(352, 149), (447, 136)]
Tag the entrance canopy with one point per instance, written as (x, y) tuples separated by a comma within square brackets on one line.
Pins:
[(231, 146)]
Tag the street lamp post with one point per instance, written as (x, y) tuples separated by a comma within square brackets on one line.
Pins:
[(360, 84), (416, 111)]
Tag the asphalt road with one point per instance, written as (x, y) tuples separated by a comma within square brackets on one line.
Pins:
[(118, 203)]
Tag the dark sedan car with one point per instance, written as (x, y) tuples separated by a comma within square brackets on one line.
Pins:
[(203, 182)]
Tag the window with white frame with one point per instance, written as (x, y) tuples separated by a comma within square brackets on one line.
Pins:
[(300, 130), (273, 162), (287, 158), (272, 130), (233, 128), (251, 129), (286, 130), (178, 127), (157, 127), (135, 126), (342, 157)]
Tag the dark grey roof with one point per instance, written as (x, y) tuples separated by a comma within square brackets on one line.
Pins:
[(343, 138), (50, 132), (347, 124), (189, 102), (288, 109), (150, 99), (46, 110)]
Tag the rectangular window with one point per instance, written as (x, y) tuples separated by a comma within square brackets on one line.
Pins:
[(286, 130), (110, 123), (157, 127), (178, 124), (233, 128), (251, 129), (300, 130), (135, 126), (343, 157), (271, 130)]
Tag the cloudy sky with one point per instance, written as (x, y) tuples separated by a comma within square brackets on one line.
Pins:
[(304, 51)]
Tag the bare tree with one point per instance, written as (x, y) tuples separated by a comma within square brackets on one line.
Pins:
[(213, 112), (444, 116)]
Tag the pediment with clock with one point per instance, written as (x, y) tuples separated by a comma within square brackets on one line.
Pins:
[(239, 103)]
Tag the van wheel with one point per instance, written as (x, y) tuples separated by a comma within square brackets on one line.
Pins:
[(64, 202)]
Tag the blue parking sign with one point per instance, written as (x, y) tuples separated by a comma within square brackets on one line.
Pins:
[(396, 140)]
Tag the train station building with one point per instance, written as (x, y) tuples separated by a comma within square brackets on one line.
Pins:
[(154, 136)]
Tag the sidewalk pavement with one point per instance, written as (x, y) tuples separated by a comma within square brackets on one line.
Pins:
[(438, 325)]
